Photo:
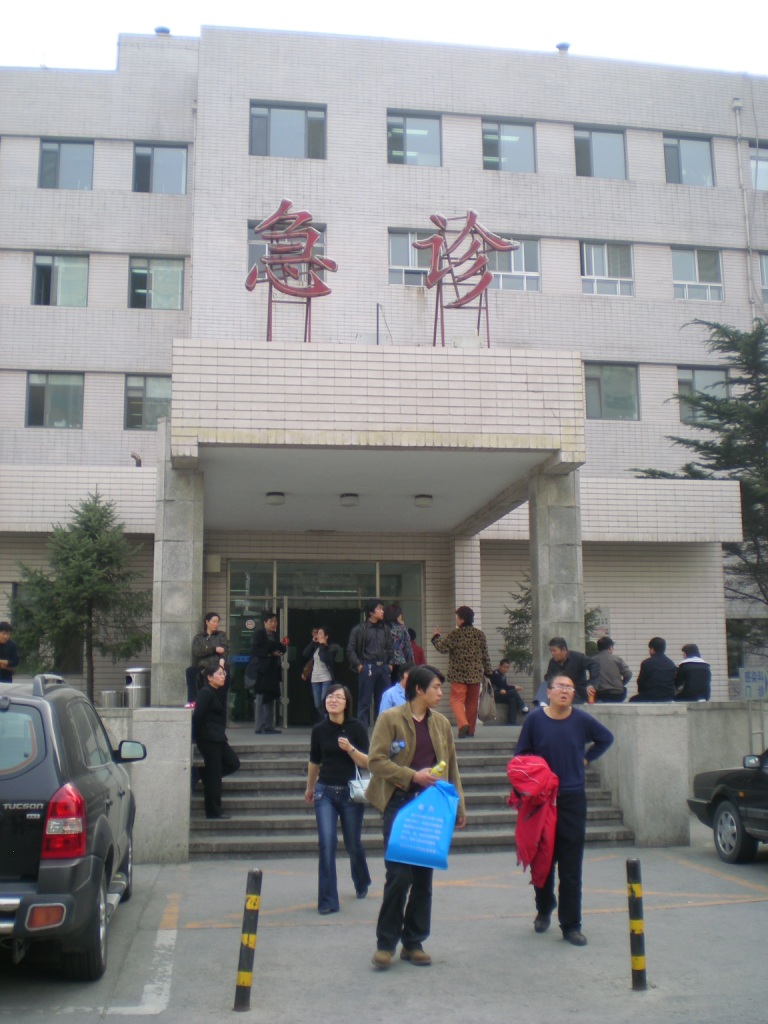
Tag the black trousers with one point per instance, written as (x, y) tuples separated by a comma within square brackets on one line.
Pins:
[(220, 760), (406, 909), (569, 855)]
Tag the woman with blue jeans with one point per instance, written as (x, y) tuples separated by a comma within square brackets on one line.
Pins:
[(323, 654), (338, 745)]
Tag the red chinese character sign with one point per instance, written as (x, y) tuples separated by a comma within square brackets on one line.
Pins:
[(290, 266), (459, 262)]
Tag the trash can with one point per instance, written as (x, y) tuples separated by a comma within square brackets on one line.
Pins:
[(111, 699), (137, 683)]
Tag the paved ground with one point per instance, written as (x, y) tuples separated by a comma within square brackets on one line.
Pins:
[(174, 948)]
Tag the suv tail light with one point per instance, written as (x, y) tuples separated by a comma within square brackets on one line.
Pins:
[(64, 833)]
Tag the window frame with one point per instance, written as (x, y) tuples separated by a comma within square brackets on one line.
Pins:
[(45, 283), (682, 287), (486, 126), (600, 283), (149, 173), (47, 412), (764, 275), (693, 415), (676, 143), (42, 167), (588, 135), (507, 280), (604, 402), (412, 115), (308, 109), (147, 423), (134, 268), (413, 274)]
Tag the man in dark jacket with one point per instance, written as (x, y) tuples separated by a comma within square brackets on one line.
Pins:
[(580, 668), (264, 667), (370, 653), (656, 679), (9, 653), (209, 720)]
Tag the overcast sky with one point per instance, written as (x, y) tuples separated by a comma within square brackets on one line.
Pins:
[(83, 33)]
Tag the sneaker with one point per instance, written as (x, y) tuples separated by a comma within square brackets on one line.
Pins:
[(541, 923), (525, 709), (190, 704), (272, 731), (382, 959), (417, 957), (575, 937)]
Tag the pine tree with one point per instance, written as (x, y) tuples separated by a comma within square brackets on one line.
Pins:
[(88, 598), (731, 443)]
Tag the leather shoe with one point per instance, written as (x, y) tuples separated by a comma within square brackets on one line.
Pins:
[(218, 817), (416, 956), (328, 910), (575, 937), (362, 893), (382, 959), (463, 732), (541, 923), (273, 732)]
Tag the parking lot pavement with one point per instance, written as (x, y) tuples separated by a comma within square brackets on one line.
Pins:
[(174, 948)]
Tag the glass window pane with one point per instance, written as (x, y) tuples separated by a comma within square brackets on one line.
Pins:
[(619, 392), (683, 265), (619, 261), (139, 284), (316, 134), (422, 142), (65, 400), (514, 284), (36, 400), (169, 170), (345, 580), (142, 169), (516, 147), (76, 165), (709, 265), (583, 154), (491, 158), (696, 161), (399, 249), (607, 287), (608, 155), (166, 284), (698, 291), (41, 295), (531, 256), (287, 129), (49, 164), (759, 167), (259, 122), (672, 162), (594, 399), (70, 280), (395, 139)]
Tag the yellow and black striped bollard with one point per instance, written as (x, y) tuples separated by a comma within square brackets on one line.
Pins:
[(636, 925), (248, 941)]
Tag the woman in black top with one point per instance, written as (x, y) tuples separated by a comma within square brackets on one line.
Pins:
[(338, 744), (209, 721)]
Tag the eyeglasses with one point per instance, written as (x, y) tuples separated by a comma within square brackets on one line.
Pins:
[(560, 686), (336, 696)]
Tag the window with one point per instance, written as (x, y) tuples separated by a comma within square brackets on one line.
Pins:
[(60, 281), (413, 139), (258, 247), (156, 284), (287, 131), (690, 381), (516, 271), (611, 391), (764, 275), (758, 161), (507, 146), (160, 169), (696, 274), (599, 154), (66, 165), (406, 264), (55, 400), (688, 161), (147, 399), (606, 268)]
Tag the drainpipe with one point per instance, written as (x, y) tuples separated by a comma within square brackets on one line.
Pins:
[(736, 107)]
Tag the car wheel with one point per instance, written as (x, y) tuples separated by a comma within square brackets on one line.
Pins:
[(126, 867), (732, 843), (89, 961)]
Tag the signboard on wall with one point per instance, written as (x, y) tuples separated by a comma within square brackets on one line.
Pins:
[(753, 684), (602, 626)]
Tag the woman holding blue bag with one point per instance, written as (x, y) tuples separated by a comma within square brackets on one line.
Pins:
[(407, 742)]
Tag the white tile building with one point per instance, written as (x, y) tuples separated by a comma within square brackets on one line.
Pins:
[(639, 194)]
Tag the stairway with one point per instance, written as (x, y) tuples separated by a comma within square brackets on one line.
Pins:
[(271, 819)]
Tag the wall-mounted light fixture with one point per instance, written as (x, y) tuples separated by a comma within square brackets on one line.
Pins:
[(423, 500), (349, 500), (275, 498)]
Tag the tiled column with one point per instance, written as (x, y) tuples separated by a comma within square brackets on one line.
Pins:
[(178, 577), (466, 574), (556, 567)]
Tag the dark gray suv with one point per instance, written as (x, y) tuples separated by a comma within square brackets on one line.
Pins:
[(66, 824)]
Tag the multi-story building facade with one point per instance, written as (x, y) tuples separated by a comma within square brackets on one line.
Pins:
[(312, 476)]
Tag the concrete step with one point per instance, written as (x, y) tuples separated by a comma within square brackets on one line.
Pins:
[(221, 846)]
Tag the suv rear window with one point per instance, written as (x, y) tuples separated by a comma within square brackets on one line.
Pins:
[(22, 742)]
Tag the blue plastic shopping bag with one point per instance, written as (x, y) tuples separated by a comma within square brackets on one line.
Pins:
[(421, 832)]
